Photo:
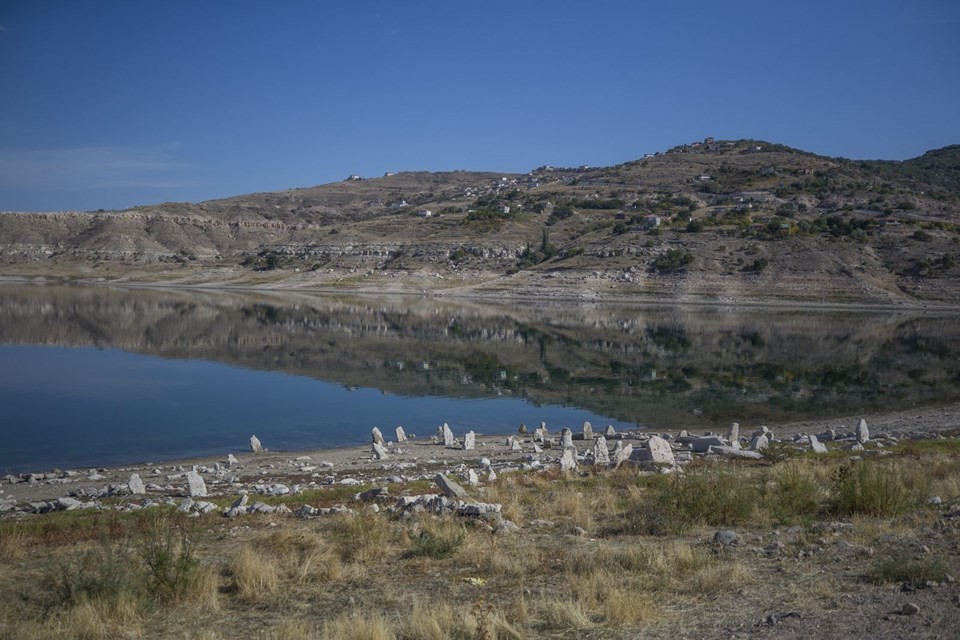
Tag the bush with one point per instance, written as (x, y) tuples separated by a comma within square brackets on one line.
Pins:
[(922, 236), (757, 266), (796, 496), (870, 489), (673, 260), (695, 226), (169, 550), (906, 570), (438, 541)]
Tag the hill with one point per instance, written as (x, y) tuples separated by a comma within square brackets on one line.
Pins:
[(712, 220)]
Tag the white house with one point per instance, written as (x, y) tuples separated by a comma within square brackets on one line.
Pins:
[(424, 213)]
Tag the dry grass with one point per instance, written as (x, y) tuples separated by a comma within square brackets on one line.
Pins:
[(256, 575), (373, 575)]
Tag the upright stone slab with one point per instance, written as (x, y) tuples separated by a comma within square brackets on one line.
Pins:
[(621, 454), (733, 435), (661, 452), (232, 459), (472, 478), (469, 441), (376, 436), (759, 442), (522, 429), (568, 460), (448, 440), (610, 432), (136, 485), (566, 438), (401, 435), (587, 431), (255, 445), (515, 445), (863, 434), (196, 485), (601, 455), (379, 451)]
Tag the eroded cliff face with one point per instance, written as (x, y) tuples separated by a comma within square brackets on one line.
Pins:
[(663, 367)]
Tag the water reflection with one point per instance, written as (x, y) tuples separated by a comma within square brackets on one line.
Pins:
[(660, 367)]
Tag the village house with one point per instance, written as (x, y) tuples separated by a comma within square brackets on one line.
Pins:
[(651, 221), (424, 213)]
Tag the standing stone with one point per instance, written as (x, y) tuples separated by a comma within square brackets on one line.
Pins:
[(379, 451), (198, 488), (610, 432), (401, 435), (601, 455), (568, 460), (539, 435), (759, 441), (622, 454), (543, 426), (522, 429), (376, 436), (587, 431), (491, 475), (734, 434), (136, 485), (472, 478), (469, 441), (661, 452), (450, 488), (232, 459), (863, 434), (816, 446), (566, 438), (448, 440), (255, 445), (515, 445)]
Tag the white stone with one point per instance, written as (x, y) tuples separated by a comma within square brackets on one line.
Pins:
[(863, 433), (255, 445), (448, 440), (660, 451), (198, 488), (566, 438), (568, 460), (472, 478), (816, 446), (377, 437), (232, 459), (469, 441), (622, 454), (450, 488), (587, 431), (136, 485), (734, 433), (601, 455), (379, 451), (610, 432), (401, 435), (759, 442)]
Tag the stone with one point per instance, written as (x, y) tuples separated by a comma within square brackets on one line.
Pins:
[(702, 444), (610, 431), (379, 451), (759, 442), (491, 475), (448, 440), (255, 444), (401, 435), (909, 609), (568, 460), (240, 502), (587, 431), (566, 438), (522, 429), (515, 446), (661, 452), (450, 488), (601, 455), (733, 435), (136, 485), (185, 506), (816, 446), (196, 485), (479, 509), (373, 494), (862, 432), (469, 441), (736, 452), (726, 537), (377, 437), (622, 454), (472, 478), (540, 435), (827, 435)]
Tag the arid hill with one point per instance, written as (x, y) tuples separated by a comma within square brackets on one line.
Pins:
[(714, 220)]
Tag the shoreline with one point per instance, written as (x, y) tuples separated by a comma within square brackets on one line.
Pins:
[(318, 467), (469, 293)]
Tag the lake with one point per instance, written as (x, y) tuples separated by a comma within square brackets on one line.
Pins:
[(98, 375)]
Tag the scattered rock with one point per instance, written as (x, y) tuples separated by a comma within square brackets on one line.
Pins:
[(726, 537), (816, 446), (661, 453), (136, 485), (450, 488)]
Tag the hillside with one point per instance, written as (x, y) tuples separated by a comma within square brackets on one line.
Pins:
[(713, 220)]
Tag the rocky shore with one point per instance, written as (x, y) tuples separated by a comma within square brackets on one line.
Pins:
[(234, 485)]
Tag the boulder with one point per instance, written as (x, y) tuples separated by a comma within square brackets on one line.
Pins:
[(401, 435), (816, 446), (136, 485), (660, 451), (255, 445), (568, 460), (702, 444), (601, 455), (622, 453), (196, 485), (377, 437), (379, 451), (469, 441)]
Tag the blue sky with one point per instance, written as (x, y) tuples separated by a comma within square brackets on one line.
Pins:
[(113, 104)]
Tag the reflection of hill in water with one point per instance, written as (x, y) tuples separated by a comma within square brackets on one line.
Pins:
[(660, 367)]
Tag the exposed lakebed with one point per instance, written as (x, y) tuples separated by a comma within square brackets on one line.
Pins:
[(93, 376)]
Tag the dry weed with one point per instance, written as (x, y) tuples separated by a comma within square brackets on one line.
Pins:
[(354, 627), (256, 575)]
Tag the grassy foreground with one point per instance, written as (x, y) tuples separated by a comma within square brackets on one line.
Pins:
[(607, 554)]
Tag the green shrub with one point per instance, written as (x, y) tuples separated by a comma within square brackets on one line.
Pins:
[(902, 569), (438, 541), (105, 573), (168, 548), (796, 495), (871, 489), (673, 260)]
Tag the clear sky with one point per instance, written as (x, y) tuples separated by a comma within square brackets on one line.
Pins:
[(109, 104)]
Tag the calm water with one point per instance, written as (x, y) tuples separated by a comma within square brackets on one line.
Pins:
[(94, 376)]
